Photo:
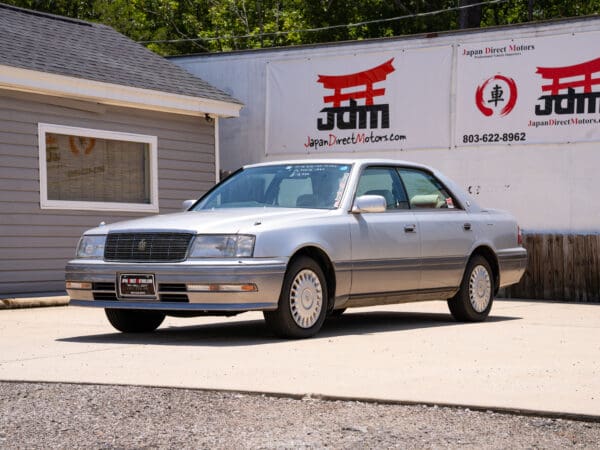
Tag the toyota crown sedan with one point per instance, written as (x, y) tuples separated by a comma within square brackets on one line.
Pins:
[(300, 241)]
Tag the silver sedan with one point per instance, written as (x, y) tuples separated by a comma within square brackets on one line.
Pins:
[(302, 240)]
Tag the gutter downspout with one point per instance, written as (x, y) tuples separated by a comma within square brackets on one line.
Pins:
[(217, 151)]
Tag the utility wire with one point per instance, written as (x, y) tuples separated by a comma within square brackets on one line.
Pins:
[(330, 27)]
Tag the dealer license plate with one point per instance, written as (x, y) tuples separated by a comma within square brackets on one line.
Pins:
[(137, 285)]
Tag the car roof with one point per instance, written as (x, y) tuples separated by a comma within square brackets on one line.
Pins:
[(349, 161)]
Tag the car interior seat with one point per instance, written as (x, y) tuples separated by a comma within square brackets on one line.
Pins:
[(305, 201), (427, 201)]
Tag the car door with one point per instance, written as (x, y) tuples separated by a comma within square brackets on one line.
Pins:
[(385, 246), (445, 229)]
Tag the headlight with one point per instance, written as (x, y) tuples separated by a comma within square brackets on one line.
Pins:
[(91, 247), (222, 246)]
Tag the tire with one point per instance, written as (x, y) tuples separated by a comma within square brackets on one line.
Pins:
[(473, 301), (302, 303), (133, 320)]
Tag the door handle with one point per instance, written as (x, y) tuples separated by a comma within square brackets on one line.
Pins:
[(467, 226), (410, 228)]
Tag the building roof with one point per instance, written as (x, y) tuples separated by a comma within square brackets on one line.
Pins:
[(75, 48)]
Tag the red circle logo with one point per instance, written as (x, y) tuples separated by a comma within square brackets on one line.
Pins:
[(497, 94)]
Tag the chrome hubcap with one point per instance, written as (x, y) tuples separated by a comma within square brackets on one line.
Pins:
[(480, 288), (306, 298)]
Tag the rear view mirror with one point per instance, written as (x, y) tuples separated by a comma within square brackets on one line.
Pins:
[(369, 204), (187, 204)]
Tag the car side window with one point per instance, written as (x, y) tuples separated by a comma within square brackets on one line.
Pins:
[(383, 181), (424, 190)]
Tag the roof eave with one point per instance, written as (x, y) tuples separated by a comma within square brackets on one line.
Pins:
[(27, 80)]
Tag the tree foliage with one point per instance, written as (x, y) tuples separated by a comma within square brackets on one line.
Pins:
[(171, 27)]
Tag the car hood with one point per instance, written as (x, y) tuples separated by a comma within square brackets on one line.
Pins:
[(239, 220)]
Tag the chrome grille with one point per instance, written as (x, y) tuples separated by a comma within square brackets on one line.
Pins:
[(147, 246)]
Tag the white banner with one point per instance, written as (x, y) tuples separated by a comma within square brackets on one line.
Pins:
[(360, 102), (538, 90)]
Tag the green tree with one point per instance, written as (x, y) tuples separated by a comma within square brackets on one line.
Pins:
[(171, 27)]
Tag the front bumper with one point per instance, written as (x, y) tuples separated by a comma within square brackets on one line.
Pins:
[(172, 280)]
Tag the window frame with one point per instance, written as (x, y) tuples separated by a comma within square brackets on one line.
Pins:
[(151, 141), (391, 168), (457, 204)]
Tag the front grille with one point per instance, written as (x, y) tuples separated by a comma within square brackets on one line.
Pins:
[(104, 286), (105, 296), (179, 298), (147, 246), (172, 287), (104, 291), (173, 292)]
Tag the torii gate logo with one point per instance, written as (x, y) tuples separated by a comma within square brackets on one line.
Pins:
[(353, 116), (571, 102)]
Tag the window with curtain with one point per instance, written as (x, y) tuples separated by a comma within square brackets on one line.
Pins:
[(97, 170)]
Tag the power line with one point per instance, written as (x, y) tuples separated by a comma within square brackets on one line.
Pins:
[(330, 27)]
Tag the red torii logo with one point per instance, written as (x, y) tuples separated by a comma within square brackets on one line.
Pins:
[(336, 114), (569, 102)]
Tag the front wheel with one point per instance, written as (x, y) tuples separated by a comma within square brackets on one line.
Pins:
[(302, 303), (134, 321), (473, 301)]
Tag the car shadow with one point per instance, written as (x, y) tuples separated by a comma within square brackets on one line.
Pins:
[(255, 332)]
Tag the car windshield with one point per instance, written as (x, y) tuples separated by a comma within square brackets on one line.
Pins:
[(285, 186)]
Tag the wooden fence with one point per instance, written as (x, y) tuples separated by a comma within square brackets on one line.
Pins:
[(560, 267)]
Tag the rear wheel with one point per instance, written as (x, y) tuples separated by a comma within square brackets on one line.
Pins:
[(473, 301), (133, 320), (302, 302)]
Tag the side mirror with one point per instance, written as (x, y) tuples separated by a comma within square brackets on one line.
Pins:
[(369, 204), (187, 204)]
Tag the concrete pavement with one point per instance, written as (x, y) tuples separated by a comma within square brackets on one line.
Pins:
[(527, 356)]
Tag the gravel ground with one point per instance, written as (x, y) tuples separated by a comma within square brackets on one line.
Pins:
[(39, 415)]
